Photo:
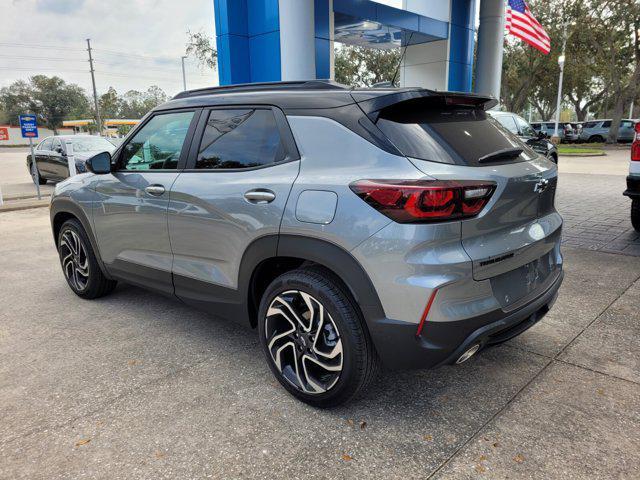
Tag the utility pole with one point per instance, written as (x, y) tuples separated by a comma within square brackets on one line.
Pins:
[(95, 93), (559, 100), (184, 76)]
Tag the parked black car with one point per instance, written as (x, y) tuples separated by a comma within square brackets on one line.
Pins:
[(519, 126), (51, 155)]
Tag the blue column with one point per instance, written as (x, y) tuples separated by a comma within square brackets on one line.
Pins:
[(247, 40), (322, 38), (461, 45)]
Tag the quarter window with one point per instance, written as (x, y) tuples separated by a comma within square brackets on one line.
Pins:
[(606, 124), (157, 146), (240, 138)]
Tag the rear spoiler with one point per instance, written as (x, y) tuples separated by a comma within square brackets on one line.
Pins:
[(372, 104)]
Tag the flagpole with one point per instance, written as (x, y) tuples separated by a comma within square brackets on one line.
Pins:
[(561, 59)]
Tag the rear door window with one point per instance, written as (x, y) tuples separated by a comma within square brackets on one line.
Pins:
[(447, 134), (240, 138), (606, 124)]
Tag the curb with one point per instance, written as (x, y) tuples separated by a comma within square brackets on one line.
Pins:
[(15, 206), (599, 154)]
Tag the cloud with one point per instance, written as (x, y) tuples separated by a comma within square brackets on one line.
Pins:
[(59, 6), (137, 43)]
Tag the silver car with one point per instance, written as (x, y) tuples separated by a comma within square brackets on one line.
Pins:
[(351, 228), (598, 131)]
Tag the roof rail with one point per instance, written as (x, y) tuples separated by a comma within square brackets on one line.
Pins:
[(256, 87)]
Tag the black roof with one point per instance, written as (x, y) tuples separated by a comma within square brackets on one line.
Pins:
[(311, 94)]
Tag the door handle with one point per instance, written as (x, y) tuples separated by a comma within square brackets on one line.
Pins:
[(260, 196), (155, 190)]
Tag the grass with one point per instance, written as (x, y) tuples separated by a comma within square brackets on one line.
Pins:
[(580, 149)]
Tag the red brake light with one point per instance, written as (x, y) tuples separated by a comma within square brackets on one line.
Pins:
[(424, 201)]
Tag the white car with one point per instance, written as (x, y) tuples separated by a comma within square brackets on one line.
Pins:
[(633, 180)]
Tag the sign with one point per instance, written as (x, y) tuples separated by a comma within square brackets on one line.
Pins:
[(4, 133), (28, 126)]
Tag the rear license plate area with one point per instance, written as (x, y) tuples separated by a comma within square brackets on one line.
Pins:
[(515, 287)]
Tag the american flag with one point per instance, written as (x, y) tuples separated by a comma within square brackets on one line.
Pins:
[(521, 23)]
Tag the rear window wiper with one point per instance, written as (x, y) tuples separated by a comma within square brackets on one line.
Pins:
[(503, 154)]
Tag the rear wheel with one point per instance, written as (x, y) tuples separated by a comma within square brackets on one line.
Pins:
[(35, 175), (596, 139), (314, 339), (79, 264), (635, 214)]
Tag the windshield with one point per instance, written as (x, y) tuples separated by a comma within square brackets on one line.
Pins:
[(91, 144), (448, 134)]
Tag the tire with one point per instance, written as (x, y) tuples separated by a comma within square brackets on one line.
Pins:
[(298, 352), (41, 181), (635, 214), (596, 139), (79, 264)]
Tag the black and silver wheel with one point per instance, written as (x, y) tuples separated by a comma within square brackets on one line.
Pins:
[(79, 264), (314, 338), (35, 176)]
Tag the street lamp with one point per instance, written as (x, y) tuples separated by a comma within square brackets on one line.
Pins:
[(561, 58), (184, 75)]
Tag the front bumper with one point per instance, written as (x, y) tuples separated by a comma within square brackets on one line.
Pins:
[(444, 342), (633, 187)]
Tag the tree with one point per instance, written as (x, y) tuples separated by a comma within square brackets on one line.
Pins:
[(200, 45), (110, 104), (613, 31), (135, 104), (51, 99), (359, 66)]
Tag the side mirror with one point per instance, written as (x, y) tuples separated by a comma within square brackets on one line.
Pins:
[(541, 135), (59, 150), (99, 164)]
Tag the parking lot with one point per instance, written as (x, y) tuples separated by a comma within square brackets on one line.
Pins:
[(136, 385)]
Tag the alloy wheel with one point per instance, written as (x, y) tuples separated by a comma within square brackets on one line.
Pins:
[(304, 342), (75, 262)]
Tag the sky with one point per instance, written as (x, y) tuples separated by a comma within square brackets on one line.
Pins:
[(137, 43)]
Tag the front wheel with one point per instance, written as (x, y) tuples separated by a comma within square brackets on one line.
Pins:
[(314, 339), (635, 214), (79, 264)]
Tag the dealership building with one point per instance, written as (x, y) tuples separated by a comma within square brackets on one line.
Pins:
[(273, 40)]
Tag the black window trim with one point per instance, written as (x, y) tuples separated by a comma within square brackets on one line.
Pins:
[(291, 150), (182, 161)]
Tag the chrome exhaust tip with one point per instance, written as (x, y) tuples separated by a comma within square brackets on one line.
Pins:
[(468, 354)]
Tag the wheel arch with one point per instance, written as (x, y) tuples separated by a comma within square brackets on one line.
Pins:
[(293, 251), (63, 209)]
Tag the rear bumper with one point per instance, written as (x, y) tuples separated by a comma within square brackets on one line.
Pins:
[(443, 342), (633, 187)]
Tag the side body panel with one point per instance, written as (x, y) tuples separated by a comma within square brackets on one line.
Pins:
[(131, 227), (211, 223)]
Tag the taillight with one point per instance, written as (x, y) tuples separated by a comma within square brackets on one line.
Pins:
[(635, 148), (424, 201)]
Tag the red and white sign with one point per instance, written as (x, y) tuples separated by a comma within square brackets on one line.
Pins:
[(4, 133)]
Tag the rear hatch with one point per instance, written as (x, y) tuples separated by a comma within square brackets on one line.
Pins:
[(514, 239)]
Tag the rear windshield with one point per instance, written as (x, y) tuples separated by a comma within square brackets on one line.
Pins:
[(448, 134)]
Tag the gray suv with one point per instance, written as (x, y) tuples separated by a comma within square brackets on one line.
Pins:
[(353, 228)]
